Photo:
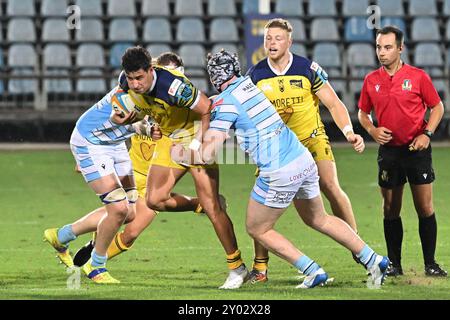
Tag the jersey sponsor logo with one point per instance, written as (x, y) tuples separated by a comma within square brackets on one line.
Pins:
[(296, 84), (281, 85), (406, 85), (425, 175), (174, 87), (319, 71), (377, 88), (315, 66), (184, 91), (266, 87), (283, 196)]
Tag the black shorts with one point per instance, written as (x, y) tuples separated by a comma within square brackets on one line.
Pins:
[(395, 164)]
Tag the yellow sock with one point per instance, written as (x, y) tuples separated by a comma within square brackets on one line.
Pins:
[(117, 246), (234, 260), (260, 263)]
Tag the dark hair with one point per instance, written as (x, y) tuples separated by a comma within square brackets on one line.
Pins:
[(166, 58), (136, 58), (392, 29)]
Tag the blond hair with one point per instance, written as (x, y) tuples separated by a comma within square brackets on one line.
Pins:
[(279, 23)]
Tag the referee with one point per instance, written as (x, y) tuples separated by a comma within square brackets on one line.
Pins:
[(400, 94)]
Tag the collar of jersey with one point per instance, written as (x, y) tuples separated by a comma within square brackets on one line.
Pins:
[(155, 78), (291, 59)]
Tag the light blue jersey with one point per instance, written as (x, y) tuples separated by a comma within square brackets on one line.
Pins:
[(95, 126), (259, 129)]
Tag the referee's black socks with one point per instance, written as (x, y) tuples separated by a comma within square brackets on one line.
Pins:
[(393, 233), (428, 235)]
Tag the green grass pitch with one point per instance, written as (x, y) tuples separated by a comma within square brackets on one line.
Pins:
[(179, 257)]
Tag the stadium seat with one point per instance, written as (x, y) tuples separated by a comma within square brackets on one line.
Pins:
[(191, 8), (289, 7), (90, 8), (393, 8), (356, 30), (327, 55), (299, 49), (190, 30), (2, 61), (92, 85), (425, 29), (1, 32), (58, 85), (200, 83), (227, 46), (2, 88), (446, 9), (223, 30), (354, 7), (155, 8), (157, 30), (405, 55), (116, 52), (399, 22), (221, 8), (338, 85), (447, 31), (360, 55), (193, 55), (90, 55), (422, 8), (22, 55), (56, 55), (21, 30), (121, 8), (298, 33), (324, 29), (250, 6), (55, 30), (322, 8), (91, 30), (122, 30), (54, 8), (22, 85), (157, 49), (428, 55), (22, 8)]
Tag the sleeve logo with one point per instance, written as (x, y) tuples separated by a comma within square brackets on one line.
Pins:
[(174, 87)]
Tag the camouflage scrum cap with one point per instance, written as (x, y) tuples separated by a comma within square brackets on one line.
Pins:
[(222, 66)]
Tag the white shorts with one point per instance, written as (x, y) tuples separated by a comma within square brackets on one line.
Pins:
[(297, 179), (96, 161)]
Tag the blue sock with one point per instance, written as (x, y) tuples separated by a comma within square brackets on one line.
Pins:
[(65, 234), (306, 265), (97, 260), (367, 256)]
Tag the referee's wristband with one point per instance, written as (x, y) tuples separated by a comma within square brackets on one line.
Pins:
[(347, 129), (428, 133)]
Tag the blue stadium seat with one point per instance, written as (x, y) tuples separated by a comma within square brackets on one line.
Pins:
[(322, 8), (121, 8), (156, 49), (355, 30), (91, 30), (22, 55), (354, 7), (324, 29), (250, 6), (59, 85), (299, 49), (193, 55), (55, 30), (447, 31), (23, 85), (155, 8), (157, 30), (2, 88), (298, 32), (422, 8), (56, 55), (21, 30), (190, 30), (90, 55), (446, 10), (116, 52), (361, 55), (23, 8), (122, 30), (54, 8), (428, 55), (92, 85), (327, 55), (221, 8), (289, 7), (90, 8), (393, 8), (425, 29), (223, 30), (191, 8), (395, 21), (340, 86)]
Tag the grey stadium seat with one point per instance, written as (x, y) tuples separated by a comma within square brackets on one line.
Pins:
[(425, 29), (157, 49), (57, 55), (90, 55), (223, 30), (58, 85), (193, 55), (190, 30), (55, 30), (21, 30), (324, 29), (299, 49), (121, 8), (54, 8), (354, 7), (327, 55), (91, 29), (361, 55), (446, 10), (122, 29), (200, 83), (230, 47), (157, 30), (93, 85), (322, 8), (447, 31), (90, 8), (221, 8), (116, 52), (24, 8), (422, 8), (155, 8), (189, 8), (22, 55), (22, 86), (289, 7), (298, 32), (393, 8), (428, 55)]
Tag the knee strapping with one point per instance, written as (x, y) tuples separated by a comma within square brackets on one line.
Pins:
[(116, 195), (132, 195)]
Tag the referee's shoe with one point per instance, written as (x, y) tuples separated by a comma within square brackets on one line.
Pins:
[(434, 270)]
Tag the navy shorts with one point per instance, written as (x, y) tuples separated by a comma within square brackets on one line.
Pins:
[(396, 165)]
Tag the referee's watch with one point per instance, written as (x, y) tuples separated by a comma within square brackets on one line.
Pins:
[(428, 133)]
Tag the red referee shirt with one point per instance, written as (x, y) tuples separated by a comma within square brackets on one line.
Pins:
[(400, 101)]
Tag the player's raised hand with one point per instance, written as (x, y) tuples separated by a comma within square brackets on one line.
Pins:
[(155, 132), (381, 135), (357, 141)]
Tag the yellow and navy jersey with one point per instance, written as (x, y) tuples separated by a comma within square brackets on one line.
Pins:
[(293, 93), (169, 102), (141, 152)]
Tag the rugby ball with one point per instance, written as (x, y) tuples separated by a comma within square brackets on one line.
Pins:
[(121, 101)]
